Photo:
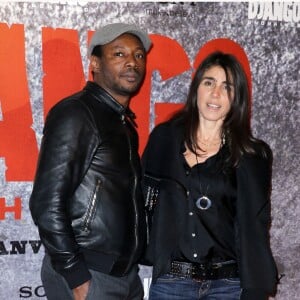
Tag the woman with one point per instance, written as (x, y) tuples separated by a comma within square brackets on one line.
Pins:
[(207, 187)]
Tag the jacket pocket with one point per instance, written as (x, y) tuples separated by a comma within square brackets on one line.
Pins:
[(91, 208)]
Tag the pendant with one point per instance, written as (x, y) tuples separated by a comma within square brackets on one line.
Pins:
[(203, 203)]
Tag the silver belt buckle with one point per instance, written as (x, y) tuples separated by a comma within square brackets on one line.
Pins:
[(196, 278)]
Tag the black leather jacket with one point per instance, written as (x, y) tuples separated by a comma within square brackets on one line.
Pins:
[(86, 199)]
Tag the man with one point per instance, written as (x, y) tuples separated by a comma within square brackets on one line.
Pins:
[(86, 198)]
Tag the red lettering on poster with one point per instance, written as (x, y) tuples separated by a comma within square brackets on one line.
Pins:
[(62, 65), (17, 143), (169, 58), (16, 209), (165, 110)]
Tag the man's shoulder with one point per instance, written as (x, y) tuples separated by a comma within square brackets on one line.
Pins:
[(68, 102), (70, 110)]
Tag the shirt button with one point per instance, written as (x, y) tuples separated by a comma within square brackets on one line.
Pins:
[(187, 173), (190, 213), (195, 254), (187, 193), (193, 234)]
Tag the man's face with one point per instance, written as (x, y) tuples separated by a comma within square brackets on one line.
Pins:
[(121, 68)]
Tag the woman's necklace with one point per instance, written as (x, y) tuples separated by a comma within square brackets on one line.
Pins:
[(207, 146), (210, 147), (210, 143), (203, 202)]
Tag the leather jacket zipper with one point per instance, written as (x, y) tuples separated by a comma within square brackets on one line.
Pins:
[(91, 208), (134, 185)]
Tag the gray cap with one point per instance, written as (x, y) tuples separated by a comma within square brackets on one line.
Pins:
[(110, 32)]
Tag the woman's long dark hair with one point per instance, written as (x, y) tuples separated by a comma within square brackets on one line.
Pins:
[(236, 126)]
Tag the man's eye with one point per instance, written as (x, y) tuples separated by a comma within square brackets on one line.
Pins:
[(119, 54), (140, 55)]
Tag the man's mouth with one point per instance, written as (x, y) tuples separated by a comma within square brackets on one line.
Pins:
[(131, 77)]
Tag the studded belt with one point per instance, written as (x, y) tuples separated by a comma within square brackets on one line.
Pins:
[(204, 271)]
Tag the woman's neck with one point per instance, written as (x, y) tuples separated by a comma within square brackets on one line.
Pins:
[(209, 133)]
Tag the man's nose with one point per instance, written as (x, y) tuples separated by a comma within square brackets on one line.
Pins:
[(131, 62)]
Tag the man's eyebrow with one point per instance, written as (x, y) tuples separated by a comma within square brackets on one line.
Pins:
[(124, 47)]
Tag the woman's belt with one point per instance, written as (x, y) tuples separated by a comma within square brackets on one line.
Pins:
[(204, 271)]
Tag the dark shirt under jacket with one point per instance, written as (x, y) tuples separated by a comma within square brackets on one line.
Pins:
[(210, 233)]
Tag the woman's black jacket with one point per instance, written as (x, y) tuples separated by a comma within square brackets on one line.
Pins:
[(164, 182)]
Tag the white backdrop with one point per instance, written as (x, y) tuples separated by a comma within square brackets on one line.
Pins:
[(35, 73)]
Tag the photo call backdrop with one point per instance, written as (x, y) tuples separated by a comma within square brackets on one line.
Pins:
[(43, 58)]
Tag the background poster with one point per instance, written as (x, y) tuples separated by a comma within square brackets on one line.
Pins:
[(43, 57)]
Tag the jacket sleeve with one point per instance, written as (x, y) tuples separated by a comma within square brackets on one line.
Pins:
[(254, 294), (65, 154), (257, 267)]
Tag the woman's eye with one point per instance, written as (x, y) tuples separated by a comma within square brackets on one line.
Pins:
[(227, 87), (208, 82)]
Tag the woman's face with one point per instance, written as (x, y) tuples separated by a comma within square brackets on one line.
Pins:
[(214, 94)]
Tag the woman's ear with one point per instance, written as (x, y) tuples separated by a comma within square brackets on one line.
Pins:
[(95, 64)]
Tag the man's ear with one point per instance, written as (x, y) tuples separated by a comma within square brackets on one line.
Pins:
[(95, 64)]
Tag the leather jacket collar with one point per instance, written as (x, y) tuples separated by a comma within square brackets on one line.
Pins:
[(102, 95)]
